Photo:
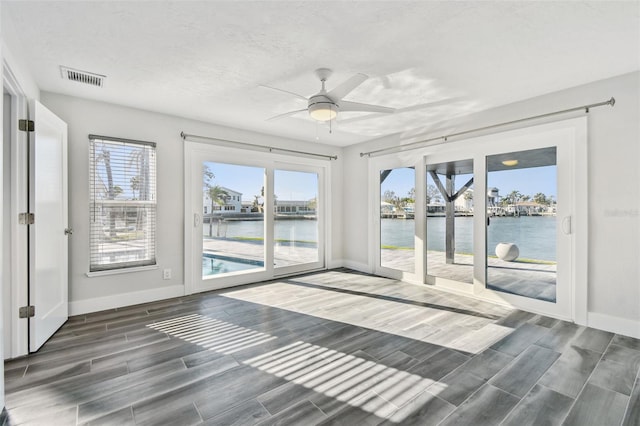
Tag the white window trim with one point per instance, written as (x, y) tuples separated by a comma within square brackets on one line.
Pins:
[(121, 271)]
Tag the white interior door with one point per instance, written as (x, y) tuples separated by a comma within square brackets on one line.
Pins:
[(48, 245)]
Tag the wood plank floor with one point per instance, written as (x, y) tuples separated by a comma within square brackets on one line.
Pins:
[(335, 347)]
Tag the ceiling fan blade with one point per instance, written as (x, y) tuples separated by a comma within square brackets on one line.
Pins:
[(355, 106), (286, 114), (347, 87), (429, 104), (407, 109), (284, 91)]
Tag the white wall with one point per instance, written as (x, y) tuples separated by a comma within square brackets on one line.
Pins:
[(614, 192), (11, 48), (88, 117)]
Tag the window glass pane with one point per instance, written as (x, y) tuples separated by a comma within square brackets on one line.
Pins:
[(397, 219), (233, 223), (296, 218), (122, 204), (521, 227)]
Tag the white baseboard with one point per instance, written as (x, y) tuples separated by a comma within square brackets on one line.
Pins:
[(357, 266), (613, 324), (335, 263), (79, 307)]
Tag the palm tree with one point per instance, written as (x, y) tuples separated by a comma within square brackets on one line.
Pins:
[(105, 157), (540, 198), (135, 185), (217, 195), (511, 198), (257, 205), (139, 161)]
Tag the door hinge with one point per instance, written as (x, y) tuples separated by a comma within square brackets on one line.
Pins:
[(26, 125), (27, 312), (26, 219)]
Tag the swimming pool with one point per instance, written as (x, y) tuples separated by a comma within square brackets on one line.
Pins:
[(213, 264)]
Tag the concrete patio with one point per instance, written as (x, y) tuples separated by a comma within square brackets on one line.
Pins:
[(536, 280)]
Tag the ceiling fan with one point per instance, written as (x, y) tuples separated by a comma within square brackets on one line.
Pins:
[(325, 106)]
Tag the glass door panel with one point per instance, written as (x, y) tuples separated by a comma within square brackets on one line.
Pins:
[(295, 218), (521, 223), (450, 220), (397, 219), (233, 231)]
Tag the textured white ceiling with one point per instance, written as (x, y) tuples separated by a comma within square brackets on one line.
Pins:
[(430, 59)]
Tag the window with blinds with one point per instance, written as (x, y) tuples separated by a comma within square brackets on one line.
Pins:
[(122, 177)]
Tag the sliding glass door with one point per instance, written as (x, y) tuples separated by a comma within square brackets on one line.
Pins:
[(397, 219), (233, 228), (297, 222), (251, 220), (522, 223), (397, 231), (493, 217), (499, 220), (528, 222)]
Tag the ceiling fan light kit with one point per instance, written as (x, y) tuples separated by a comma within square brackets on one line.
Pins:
[(321, 108)]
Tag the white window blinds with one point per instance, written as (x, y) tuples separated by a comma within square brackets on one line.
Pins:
[(122, 177)]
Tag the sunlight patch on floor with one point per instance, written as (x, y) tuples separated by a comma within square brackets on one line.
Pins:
[(387, 314), (213, 334), (351, 379)]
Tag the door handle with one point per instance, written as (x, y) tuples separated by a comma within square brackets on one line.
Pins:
[(566, 225), (68, 231), (196, 220)]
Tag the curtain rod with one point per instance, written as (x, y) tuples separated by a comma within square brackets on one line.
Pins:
[(444, 138), (260, 147)]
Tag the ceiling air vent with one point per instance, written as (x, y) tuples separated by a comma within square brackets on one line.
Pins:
[(85, 77)]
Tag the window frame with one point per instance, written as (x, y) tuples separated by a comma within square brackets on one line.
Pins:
[(149, 205)]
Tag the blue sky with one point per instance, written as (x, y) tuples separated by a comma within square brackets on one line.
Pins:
[(400, 181), (303, 186), (527, 181), (249, 181)]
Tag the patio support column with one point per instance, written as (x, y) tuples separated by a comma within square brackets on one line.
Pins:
[(450, 198), (450, 217)]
